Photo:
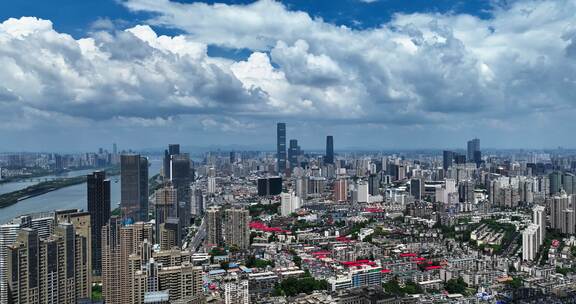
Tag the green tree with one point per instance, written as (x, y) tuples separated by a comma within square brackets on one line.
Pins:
[(456, 285)]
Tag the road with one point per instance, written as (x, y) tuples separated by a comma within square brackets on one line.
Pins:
[(198, 237)]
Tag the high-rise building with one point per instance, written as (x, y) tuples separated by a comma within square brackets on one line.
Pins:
[(288, 203), (473, 147), (82, 226), (530, 242), (211, 184), (169, 273), (134, 187), (169, 234), (237, 230), (539, 219), (49, 270), (562, 215), (165, 206), (341, 189), (447, 159), (329, 158), (281, 147), (459, 158), (236, 290), (301, 187), (118, 243), (362, 192), (293, 153), (197, 201), (177, 283), (214, 227), (269, 186), (374, 184), (181, 176), (555, 182), (98, 193), (8, 234), (173, 149), (42, 223)]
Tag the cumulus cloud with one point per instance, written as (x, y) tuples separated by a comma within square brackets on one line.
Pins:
[(417, 69), (420, 67), (125, 73)]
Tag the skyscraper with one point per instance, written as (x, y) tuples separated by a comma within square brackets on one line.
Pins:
[(269, 186), (447, 159), (173, 149), (197, 201), (175, 277), (98, 188), (293, 152), (49, 270), (82, 227), (165, 206), (539, 219), (530, 242), (237, 231), (180, 176), (329, 159), (181, 179), (281, 147), (169, 235), (118, 244), (473, 146), (341, 189), (134, 187), (214, 227), (289, 202), (41, 223), (362, 192)]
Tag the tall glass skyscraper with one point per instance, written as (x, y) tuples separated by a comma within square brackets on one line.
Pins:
[(98, 190), (173, 149), (293, 152), (473, 147), (281, 146), (134, 187), (329, 159)]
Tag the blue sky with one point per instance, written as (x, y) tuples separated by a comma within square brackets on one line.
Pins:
[(388, 74), (76, 16)]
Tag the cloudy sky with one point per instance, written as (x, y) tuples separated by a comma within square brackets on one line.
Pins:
[(77, 75)]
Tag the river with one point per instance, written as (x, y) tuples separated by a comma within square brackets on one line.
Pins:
[(68, 197), (21, 184)]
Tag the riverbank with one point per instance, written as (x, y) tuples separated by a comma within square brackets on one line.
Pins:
[(40, 173), (41, 188)]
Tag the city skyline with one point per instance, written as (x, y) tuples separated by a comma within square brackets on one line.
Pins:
[(410, 75)]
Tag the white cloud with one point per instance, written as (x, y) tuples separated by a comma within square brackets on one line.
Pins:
[(417, 69)]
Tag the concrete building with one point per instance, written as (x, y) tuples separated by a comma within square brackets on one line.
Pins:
[(213, 218), (289, 203), (530, 243), (118, 243), (363, 193), (237, 230), (341, 189), (236, 290), (539, 219), (49, 270), (165, 206)]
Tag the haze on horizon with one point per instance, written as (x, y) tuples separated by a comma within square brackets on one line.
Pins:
[(376, 74)]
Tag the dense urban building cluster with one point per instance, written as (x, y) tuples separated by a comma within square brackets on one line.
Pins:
[(295, 226)]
